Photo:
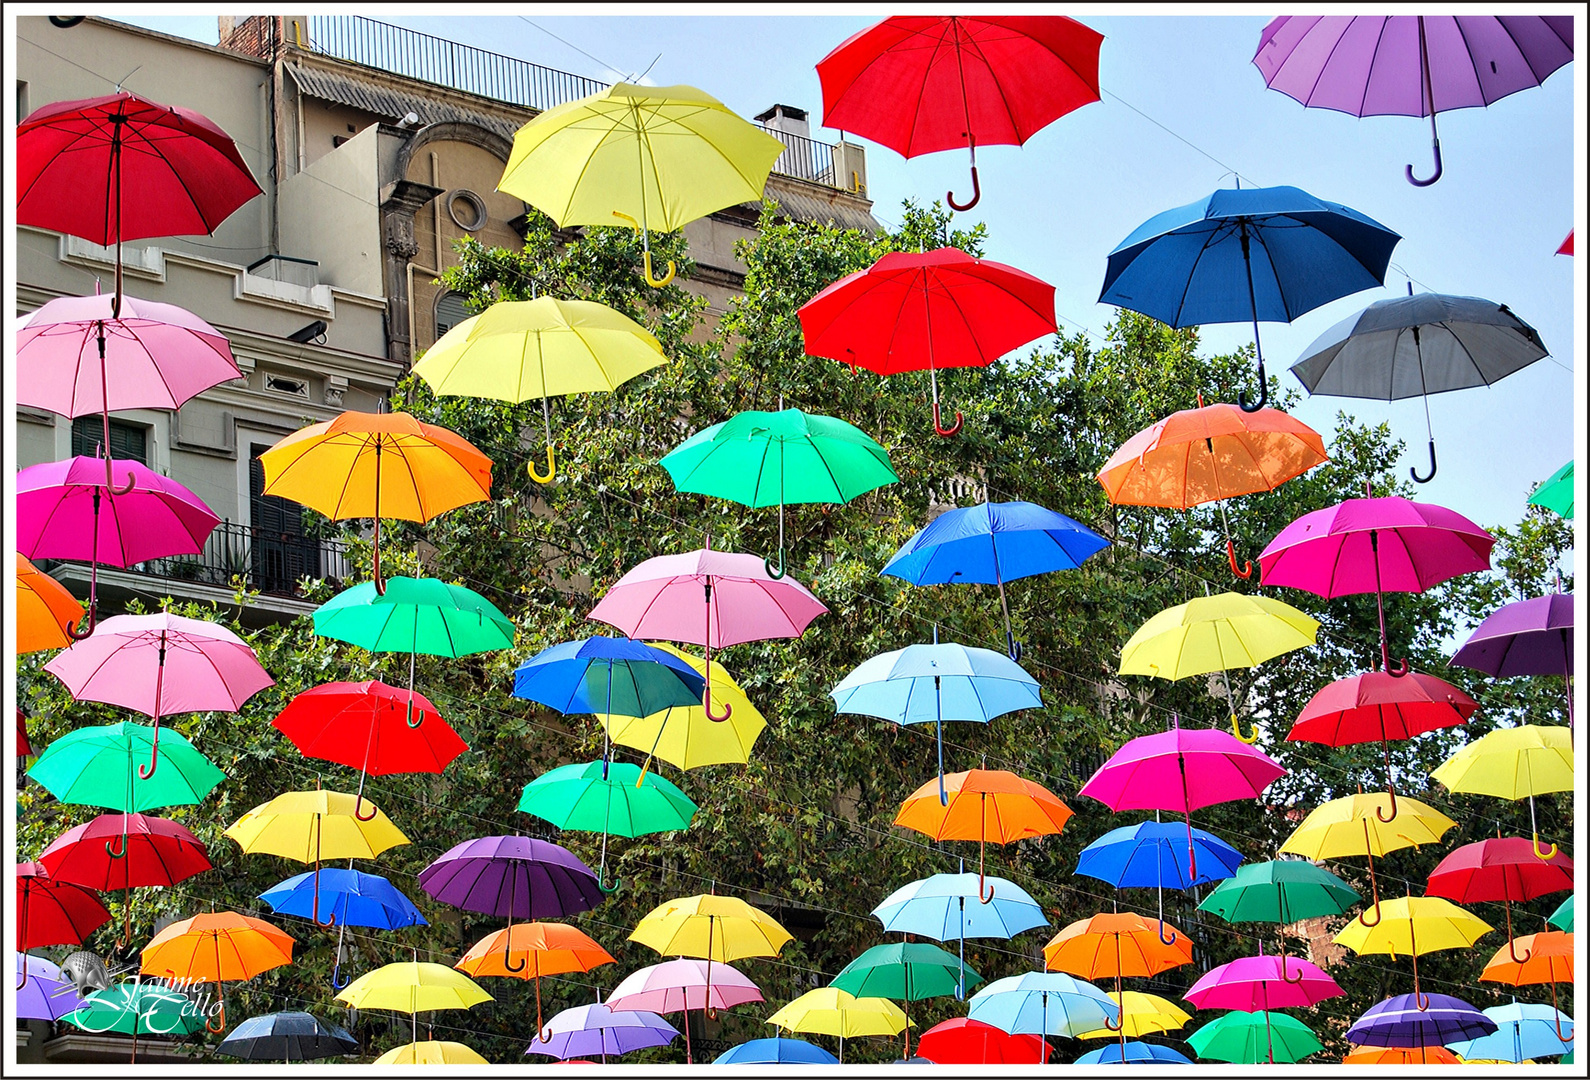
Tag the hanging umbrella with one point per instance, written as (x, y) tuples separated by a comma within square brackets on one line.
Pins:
[(1260, 983), (1399, 1021), (1134, 1053), (514, 876), (1355, 825), (1526, 637), (370, 726), (1150, 855), (937, 682), (1415, 346), (681, 985), (1514, 763), (415, 615), (684, 735), (983, 805), (24, 748), (289, 1036), (52, 912), (1213, 633), (431, 1052), (1524, 1030), (216, 948), (1141, 1014), (1412, 926), (1566, 247), (1410, 65), (721, 928), (1556, 494), (1382, 545), (1548, 958), (1283, 891), (775, 1052), (657, 157), (352, 899), (137, 1008), (598, 1029), (738, 602), (961, 1041), (413, 988), (906, 971), (45, 611), (1251, 1037), (829, 1010), (607, 797), (990, 544), (944, 907), (1397, 1055), (1562, 918), (519, 350), (94, 766), (43, 993), (761, 459), (924, 83), (1116, 946), (1044, 1003), (929, 309), (68, 510), (1181, 771), (1504, 869), (541, 948)]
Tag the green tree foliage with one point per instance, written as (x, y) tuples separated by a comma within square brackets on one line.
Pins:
[(805, 829)]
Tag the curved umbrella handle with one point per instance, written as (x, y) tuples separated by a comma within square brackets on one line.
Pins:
[(552, 468), (1376, 909), (977, 193), (211, 1026), (981, 899), (146, 771), (1237, 731), (410, 722), (110, 481), (524, 962), (1174, 937), (609, 890), (331, 916), (358, 801), (24, 981), (1512, 949), (1435, 147), (112, 852), (1284, 976), (775, 572), (1391, 790), (1421, 1001), (1012, 647), (1556, 1019), (1534, 848), (706, 704), (1264, 393), (1231, 557), (938, 425), (654, 282), (337, 981), (1120, 1022), (84, 627), (1427, 477)]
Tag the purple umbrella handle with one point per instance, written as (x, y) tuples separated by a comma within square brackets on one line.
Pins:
[(1429, 97)]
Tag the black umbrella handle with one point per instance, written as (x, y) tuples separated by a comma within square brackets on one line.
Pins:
[(1427, 477)]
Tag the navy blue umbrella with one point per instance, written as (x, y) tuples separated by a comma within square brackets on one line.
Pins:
[(1267, 254), (1150, 855), (290, 1036)]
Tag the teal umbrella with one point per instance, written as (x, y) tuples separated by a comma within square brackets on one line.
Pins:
[(1562, 918), (1282, 891), (137, 1008), (97, 766), (607, 797), (1557, 492), (905, 971), (1250, 1037), (760, 459)]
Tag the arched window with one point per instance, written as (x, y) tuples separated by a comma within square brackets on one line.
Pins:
[(450, 311)]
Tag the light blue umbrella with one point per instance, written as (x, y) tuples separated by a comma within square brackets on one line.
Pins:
[(937, 907), (1135, 1053), (934, 683), (1044, 1003), (1523, 1031), (1150, 855), (776, 1052)]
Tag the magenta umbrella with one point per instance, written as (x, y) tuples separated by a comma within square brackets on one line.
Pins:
[(1382, 545), (1182, 770), (67, 510), (1260, 983), (161, 665), (709, 598), (681, 985), (1527, 637)]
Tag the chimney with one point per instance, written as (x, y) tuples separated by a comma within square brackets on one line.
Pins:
[(786, 119), (262, 36)]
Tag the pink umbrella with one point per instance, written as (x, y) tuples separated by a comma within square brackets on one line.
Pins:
[(127, 660), (68, 510), (710, 598), (1182, 770), (1260, 983), (1382, 545), (681, 985)]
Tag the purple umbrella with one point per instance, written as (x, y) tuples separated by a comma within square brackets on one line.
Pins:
[(1529, 637), (516, 876), (46, 995), (1410, 65), (598, 1029), (1399, 1021)]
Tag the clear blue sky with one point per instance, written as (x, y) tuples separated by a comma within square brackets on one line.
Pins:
[(1057, 206)]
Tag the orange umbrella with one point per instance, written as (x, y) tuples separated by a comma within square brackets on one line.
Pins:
[(1548, 958), (377, 465), (1116, 944), (541, 948), (984, 805), (217, 947), (1401, 1055), (44, 610), (1210, 454)]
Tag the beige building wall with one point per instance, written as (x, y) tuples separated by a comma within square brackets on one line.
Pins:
[(333, 208)]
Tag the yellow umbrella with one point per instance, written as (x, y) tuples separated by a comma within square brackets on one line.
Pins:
[(1356, 825), (310, 825), (1514, 763), (44, 610), (1215, 633), (721, 928), (519, 350), (431, 1052), (654, 156), (413, 988), (1141, 1014), (831, 1011), (1412, 926), (684, 736)]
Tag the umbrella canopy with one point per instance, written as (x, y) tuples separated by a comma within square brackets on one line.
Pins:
[(45, 610), (1524, 1030), (516, 876), (1294, 252), (904, 971), (1255, 983), (1379, 706), (1526, 637), (914, 310), (153, 851), (1141, 1014), (1556, 494), (67, 510), (351, 898), (1043, 1003), (944, 908), (1250, 1037), (607, 797), (308, 826), (1118, 945), (681, 985), (43, 992), (413, 988), (721, 928), (829, 1010), (1503, 868), (288, 1036), (431, 1052), (684, 735), (961, 1041), (219, 947), (613, 675), (137, 1008), (1414, 346), (1412, 926), (370, 726), (1339, 827), (1282, 891), (1151, 855), (1547, 958), (1134, 1053), (598, 1029), (1562, 918), (54, 912), (1513, 763), (1399, 1055), (415, 615), (1410, 65), (540, 948), (1399, 1021), (776, 1052), (96, 766)]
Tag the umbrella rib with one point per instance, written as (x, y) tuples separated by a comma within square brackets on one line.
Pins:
[(1209, 240)]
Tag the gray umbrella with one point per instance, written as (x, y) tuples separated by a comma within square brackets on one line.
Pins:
[(1417, 346)]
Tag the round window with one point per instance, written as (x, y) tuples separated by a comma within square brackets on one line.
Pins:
[(467, 209)]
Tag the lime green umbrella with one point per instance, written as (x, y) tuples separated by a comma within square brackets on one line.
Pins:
[(1249, 1037), (137, 1008), (1557, 492), (607, 797), (96, 766), (905, 971), (1562, 918), (760, 459)]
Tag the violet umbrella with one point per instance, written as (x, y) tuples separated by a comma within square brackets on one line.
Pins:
[(45, 994), (1526, 637), (681, 985), (161, 665), (600, 1029), (1399, 1021), (1409, 65), (1261, 983), (1182, 770), (67, 510), (1381, 545)]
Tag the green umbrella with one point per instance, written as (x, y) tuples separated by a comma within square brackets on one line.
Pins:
[(904, 971), (1557, 492), (607, 797), (1282, 891), (762, 459), (1562, 918), (1246, 1038), (94, 766), (137, 1008)]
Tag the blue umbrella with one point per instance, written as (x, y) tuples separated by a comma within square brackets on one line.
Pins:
[(992, 543), (923, 683), (776, 1052), (1044, 1003), (1134, 1053), (1523, 1031), (1150, 855), (1266, 254), (936, 907), (357, 899)]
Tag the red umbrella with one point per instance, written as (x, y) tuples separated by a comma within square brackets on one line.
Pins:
[(24, 748), (963, 1041), (1567, 245), (372, 727), (53, 913), (933, 309), (1379, 705), (921, 83), (1505, 869)]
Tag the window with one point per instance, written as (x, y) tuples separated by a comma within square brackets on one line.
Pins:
[(22, 100), (128, 442), (450, 311), (467, 209)]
